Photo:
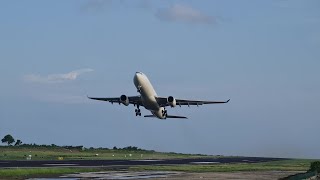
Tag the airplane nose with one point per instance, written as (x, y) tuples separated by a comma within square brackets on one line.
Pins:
[(136, 75), (135, 78)]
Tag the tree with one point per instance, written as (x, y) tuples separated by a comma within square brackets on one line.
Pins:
[(18, 142), (8, 139)]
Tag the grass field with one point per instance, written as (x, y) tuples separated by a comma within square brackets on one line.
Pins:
[(22, 173), (284, 165), (53, 153)]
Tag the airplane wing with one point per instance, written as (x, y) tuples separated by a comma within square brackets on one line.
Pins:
[(136, 100), (162, 101)]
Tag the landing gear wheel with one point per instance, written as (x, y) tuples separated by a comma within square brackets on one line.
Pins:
[(164, 113), (139, 89), (138, 112)]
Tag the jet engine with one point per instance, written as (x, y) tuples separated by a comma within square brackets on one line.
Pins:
[(171, 101), (124, 100)]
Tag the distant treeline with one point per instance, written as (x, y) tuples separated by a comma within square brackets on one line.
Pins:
[(9, 140), (80, 148)]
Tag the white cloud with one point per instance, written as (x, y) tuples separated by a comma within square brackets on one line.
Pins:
[(55, 78), (184, 13), (174, 13)]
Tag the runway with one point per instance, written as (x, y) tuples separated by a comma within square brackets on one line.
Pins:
[(110, 163)]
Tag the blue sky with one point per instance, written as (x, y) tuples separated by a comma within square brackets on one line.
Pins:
[(264, 55)]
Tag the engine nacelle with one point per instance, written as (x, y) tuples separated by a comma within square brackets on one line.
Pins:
[(124, 100), (171, 101)]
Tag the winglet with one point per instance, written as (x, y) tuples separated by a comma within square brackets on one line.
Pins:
[(228, 101)]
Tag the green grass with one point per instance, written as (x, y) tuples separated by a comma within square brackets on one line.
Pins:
[(284, 165), (52, 153), (22, 173)]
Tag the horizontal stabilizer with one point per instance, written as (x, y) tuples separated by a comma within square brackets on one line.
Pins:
[(153, 116), (177, 117), (168, 116)]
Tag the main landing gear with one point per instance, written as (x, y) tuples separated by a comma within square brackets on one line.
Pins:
[(138, 112), (164, 112)]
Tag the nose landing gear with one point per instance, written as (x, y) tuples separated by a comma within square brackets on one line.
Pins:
[(139, 89)]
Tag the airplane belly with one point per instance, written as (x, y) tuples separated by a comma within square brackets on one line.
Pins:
[(150, 103)]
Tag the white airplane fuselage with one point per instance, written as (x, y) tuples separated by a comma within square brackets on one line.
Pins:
[(148, 94)]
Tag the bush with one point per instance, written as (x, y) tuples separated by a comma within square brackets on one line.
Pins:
[(315, 166)]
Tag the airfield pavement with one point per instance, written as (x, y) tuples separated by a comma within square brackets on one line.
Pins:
[(118, 169), (172, 175), (106, 163)]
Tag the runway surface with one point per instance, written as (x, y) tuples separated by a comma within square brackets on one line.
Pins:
[(106, 163)]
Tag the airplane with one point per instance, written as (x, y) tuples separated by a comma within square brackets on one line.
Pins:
[(149, 99)]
